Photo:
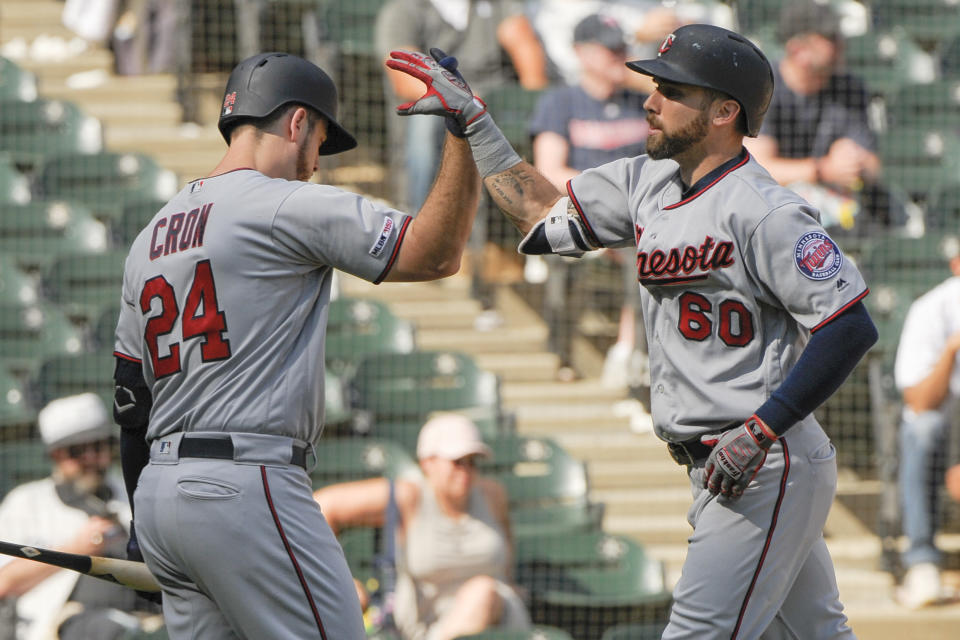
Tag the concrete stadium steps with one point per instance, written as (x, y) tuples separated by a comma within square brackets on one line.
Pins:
[(120, 115), (63, 63)]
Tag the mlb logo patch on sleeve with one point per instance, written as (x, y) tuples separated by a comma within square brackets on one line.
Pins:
[(817, 256), (385, 233)]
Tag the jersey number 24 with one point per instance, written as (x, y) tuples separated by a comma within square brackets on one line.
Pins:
[(201, 318)]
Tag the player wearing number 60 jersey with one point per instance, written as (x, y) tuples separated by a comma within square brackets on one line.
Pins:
[(753, 318), (220, 356)]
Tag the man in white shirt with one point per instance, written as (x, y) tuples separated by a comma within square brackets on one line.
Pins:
[(927, 374), (79, 508)]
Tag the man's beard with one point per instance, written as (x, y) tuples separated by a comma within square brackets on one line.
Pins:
[(671, 145), (304, 170)]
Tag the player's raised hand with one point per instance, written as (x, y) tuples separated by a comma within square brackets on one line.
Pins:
[(447, 94), (736, 457)]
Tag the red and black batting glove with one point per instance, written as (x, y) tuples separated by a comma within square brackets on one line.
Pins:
[(447, 95), (736, 457)]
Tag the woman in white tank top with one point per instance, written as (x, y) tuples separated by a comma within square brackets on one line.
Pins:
[(454, 552)]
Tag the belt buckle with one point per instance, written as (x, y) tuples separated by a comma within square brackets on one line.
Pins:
[(680, 453)]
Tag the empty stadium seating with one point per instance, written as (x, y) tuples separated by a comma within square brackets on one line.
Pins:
[(38, 233)]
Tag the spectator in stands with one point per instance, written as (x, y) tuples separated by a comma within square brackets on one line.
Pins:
[(927, 373), (80, 508), (478, 33), (495, 45), (454, 558), (952, 482), (577, 127), (645, 22), (816, 136), (145, 38)]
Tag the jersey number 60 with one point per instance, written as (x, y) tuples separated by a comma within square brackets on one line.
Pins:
[(209, 324), (736, 323)]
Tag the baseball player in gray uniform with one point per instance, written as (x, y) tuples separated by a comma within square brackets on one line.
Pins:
[(753, 316), (220, 355)]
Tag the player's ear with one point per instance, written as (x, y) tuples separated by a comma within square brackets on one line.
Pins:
[(298, 125), (725, 111)]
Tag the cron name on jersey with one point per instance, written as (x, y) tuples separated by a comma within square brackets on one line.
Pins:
[(179, 231), (684, 264)]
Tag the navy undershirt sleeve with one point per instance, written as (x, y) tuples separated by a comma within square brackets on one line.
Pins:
[(829, 357)]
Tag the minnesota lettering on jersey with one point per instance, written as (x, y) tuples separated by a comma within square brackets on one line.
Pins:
[(679, 264), (179, 231)]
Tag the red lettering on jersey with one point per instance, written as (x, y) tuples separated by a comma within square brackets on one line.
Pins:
[(664, 265), (201, 225), (176, 223), (188, 228), (156, 250)]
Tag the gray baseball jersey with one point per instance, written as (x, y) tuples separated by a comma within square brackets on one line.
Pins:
[(225, 298), (735, 273)]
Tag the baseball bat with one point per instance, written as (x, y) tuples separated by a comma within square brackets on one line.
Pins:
[(123, 572)]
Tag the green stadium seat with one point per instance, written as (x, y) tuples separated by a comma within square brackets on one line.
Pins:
[(22, 461), (133, 218), (947, 56), (397, 385), (888, 59), (635, 631), (69, 375), (351, 25), (490, 421), (105, 181), (538, 632), (14, 185), (917, 262), (512, 107), (17, 415), (942, 210), (352, 458), (926, 21), (85, 285), (16, 286), (918, 159), (16, 82), (37, 233), (934, 105), (32, 131), (29, 334), (358, 327), (585, 583)]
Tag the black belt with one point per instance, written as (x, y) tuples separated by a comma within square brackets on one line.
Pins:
[(688, 452), (692, 451), (222, 448)]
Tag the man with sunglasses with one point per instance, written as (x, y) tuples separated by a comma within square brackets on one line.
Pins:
[(81, 507)]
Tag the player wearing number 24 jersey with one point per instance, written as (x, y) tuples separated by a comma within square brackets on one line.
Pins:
[(220, 358), (753, 315)]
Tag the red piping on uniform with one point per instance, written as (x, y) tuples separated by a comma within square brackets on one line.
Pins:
[(583, 216), (396, 251), (126, 357), (842, 309), (701, 192), (293, 557), (766, 544)]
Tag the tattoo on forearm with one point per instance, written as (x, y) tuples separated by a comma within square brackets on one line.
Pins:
[(511, 191)]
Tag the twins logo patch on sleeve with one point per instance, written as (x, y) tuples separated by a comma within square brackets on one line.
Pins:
[(817, 256)]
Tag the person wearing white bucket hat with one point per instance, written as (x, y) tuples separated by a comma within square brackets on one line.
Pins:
[(81, 507), (454, 548)]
